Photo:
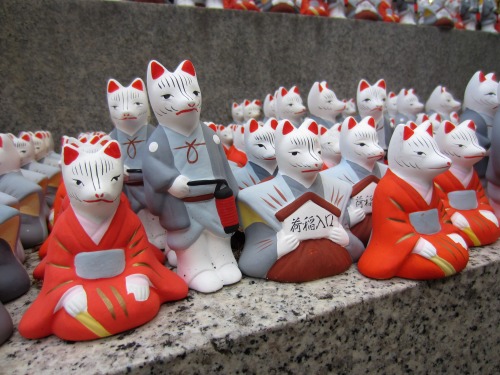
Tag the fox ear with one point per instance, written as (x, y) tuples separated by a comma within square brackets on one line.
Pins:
[(138, 84), (320, 88), (287, 128), (408, 133), (412, 125), (429, 130), (258, 102), (363, 85), (235, 105), (482, 77), (156, 70), (381, 84), (448, 127), (113, 150), (274, 124), (284, 91), (371, 122), (254, 125), (471, 125), (322, 130), (295, 89), (113, 85), (352, 123), (313, 127), (70, 154), (188, 67)]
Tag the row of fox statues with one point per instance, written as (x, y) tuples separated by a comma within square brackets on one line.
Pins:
[(399, 192)]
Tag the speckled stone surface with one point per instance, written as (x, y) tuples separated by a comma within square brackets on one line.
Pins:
[(57, 55), (343, 324)]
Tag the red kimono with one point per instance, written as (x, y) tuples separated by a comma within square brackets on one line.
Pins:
[(394, 235), (109, 307), (482, 231)]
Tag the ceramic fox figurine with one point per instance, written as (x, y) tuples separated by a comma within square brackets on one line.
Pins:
[(330, 149), (294, 223), (182, 153), (371, 101), (360, 168), (408, 105), (460, 189), (493, 168), (441, 102), (29, 146), (259, 143), (391, 104), (129, 111), (350, 109), (269, 107), (289, 105), (324, 107), (480, 105), (14, 280), (252, 110), (101, 277), (28, 193), (237, 113), (413, 236)]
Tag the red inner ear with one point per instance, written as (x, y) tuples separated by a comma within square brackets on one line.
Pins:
[(247, 102), (406, 92), (438, 117), (363, 85), (69, 155), (271, 98), (235, 105), (296, 90), (472, 125), (39, 135), (371, 122), (1, 142), (320, 87), (254, 125), (156, 70), (113, 150), (104, 142), (494, 77), (284, 91), (407, 133), (392, 95), (448, 127), (94, 139), (340, 128), (482, 77), (382, 84), (425, 118), (213, 127), (313, 127), (188, 68), (83, 140), (322, 130), (274, 124), (352, 123), (26, 137), (242, 130), (112, 87), (137, 84), (413, 126), (287, 128), (258, 102), (429, 130)]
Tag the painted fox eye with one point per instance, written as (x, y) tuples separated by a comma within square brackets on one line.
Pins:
[(361, 144), (78, 182), (294, 153), (114, 106), (166, 96), (196, 93), (261, 145), (367, 100), (420, 153), (116, 178)]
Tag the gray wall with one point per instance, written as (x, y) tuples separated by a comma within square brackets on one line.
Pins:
[(57, 55)]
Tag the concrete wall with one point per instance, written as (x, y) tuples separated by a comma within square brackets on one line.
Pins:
[(57, 55)]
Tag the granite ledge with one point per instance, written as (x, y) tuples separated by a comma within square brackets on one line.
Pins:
[(343, 324)]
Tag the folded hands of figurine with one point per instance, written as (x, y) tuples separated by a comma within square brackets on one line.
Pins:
[(424, 248), (356, 215), (138, 285), (339, 235), (490, 216), (180, 188), (286, 243), (74, 301), (459, 221)]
